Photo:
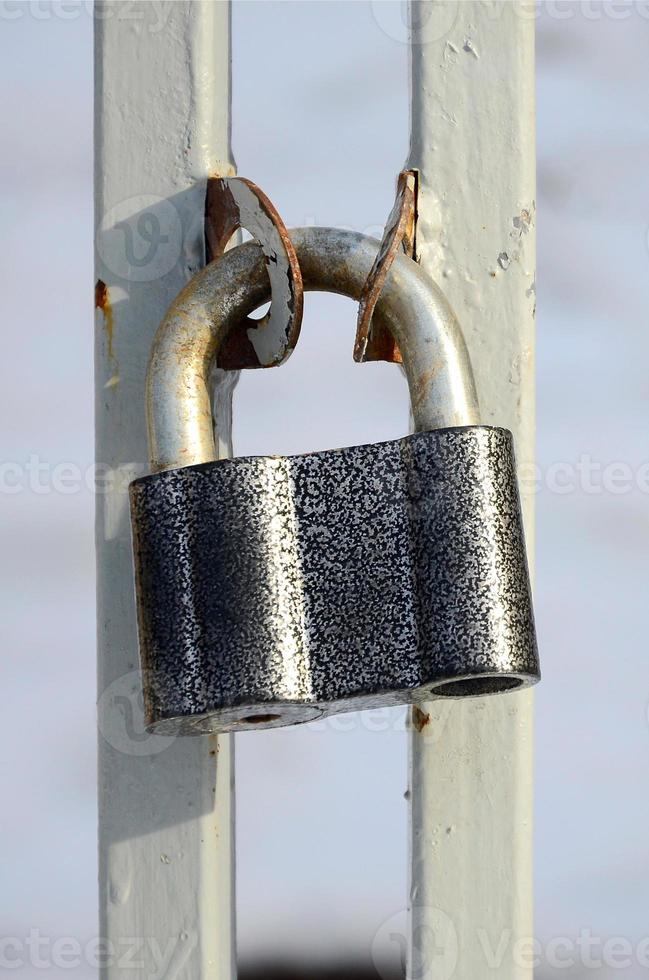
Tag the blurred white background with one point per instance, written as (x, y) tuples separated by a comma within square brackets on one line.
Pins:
[(321, 815)]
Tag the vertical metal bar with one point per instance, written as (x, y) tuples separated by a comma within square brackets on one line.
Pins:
[(165, 807), (471, 762)]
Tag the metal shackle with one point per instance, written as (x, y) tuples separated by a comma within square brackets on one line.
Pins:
[(414, 309), (274, 590)]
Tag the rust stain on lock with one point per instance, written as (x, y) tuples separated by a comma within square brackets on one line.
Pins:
[(102, 302), (424, 382)]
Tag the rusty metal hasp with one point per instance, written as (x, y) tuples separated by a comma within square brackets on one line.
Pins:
[(273, 590)]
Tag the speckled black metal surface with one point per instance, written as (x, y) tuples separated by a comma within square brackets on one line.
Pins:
[(272, 590)]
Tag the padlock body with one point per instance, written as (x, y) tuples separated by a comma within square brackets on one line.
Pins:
[(273, 590)]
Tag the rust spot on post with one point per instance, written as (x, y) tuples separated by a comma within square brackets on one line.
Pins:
[(419, 719), (102, 302)]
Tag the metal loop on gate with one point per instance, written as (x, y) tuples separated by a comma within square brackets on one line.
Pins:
[(233, 203)]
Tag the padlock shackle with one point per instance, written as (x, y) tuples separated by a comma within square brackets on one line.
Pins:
[(411, 306)]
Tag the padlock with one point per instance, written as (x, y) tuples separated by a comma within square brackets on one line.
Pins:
[(274, 590)]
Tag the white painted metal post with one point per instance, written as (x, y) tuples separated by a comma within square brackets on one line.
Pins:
[(471, 765), (165, 807)]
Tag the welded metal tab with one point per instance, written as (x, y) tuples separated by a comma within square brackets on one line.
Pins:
[(233, 203), (273, 590), (374, 342)]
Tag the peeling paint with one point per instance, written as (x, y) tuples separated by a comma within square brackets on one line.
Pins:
[(523, 222), (519, 364), (450, 56), (119, 890)]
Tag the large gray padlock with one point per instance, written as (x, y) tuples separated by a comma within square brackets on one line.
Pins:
[(273, 590)]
